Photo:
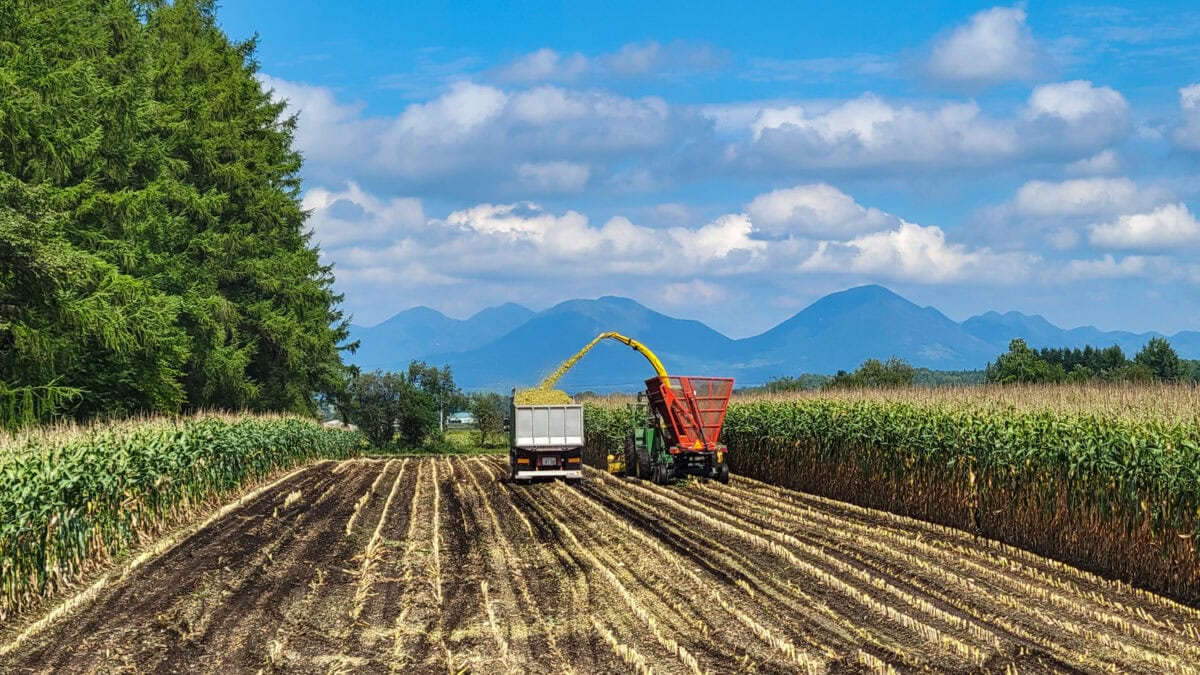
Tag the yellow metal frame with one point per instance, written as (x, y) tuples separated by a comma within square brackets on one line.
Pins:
[(640, 348)]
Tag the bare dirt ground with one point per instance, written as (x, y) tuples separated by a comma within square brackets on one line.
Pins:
[(438, 566)]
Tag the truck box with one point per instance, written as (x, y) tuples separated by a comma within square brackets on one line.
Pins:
[(546, 441)]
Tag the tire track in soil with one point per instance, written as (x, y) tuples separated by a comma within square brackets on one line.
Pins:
[(1092, 614), (613, 576), (464, 622), (668, 626), (563, 565), (124, 615), (728, 582), (1053, 573), (445, 594), (358, 639), (518, 560), (847, 597), (989, 592), (315, 630), (1059, 582), (240, 629), (683, 598), (774, 601)]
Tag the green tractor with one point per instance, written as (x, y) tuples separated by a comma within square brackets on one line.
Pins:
[(674, 427)]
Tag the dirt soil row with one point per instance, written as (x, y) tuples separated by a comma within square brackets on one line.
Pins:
[(439, 565)]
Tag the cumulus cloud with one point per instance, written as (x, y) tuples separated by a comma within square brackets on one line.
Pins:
[(636, 59), (552, 177), (1106, 267), (482, 140), (354, 216), (1061, 212), (692, 293), (1084, 197), (1062, 120), (817, 210), (385, 248), (1187, 134), (544, 65), (328, 131), (1166, 227), (724, 238), (1103, 162), (916, 254), (994, 46), (1075, 102)]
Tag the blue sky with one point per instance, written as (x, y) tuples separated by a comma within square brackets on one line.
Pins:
[(734, 163)]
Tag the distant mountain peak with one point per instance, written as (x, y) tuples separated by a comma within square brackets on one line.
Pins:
[(510, 345)]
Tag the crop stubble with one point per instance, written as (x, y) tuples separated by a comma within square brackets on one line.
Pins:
[(437, 565)]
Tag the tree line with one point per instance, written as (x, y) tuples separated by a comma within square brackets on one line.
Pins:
[(1157, 361), (407, 410), (153, 250)]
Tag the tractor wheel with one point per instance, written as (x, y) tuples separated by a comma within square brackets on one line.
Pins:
[(631, 463), (662, 475), (723, 473)]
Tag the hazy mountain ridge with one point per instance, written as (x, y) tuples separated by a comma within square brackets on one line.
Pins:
[(510, 345)]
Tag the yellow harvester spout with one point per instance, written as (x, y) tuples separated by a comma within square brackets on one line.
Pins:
[(642, 349)]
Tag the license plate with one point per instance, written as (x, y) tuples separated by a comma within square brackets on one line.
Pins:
[(549, 461)]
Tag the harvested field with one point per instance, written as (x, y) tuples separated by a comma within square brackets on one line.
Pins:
[(436, 565)]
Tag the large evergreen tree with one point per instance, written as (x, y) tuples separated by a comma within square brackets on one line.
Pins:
[(153, 249)]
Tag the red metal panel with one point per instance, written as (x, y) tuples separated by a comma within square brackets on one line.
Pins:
[(693, 408)]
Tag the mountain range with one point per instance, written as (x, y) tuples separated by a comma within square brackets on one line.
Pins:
[(513, 346)]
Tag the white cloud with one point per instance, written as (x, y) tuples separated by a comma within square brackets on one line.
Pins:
[(354, 216), (916, 254), (480, 140), (1064, 120), (868, 130), (463, 109), (1103, 162), (1084, 197), (545, 65), (636, 59), (1106, 267), (327, 131), (1075, 102), (817, 210), (722, 238), (692, 293), (994, 46), (552, 177), (1168, 226), (1187, 134)]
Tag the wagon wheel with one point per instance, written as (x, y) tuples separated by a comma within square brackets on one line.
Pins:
[(723, 473)]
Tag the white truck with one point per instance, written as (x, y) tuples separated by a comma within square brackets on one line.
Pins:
[(546, 441)]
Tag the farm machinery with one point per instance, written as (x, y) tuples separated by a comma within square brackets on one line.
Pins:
[(674, 425)]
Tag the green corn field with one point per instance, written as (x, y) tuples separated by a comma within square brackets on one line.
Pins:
[(1106, 483), (68, 497)]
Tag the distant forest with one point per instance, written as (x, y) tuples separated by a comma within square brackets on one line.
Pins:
[(153, 252), (1156, 362)]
